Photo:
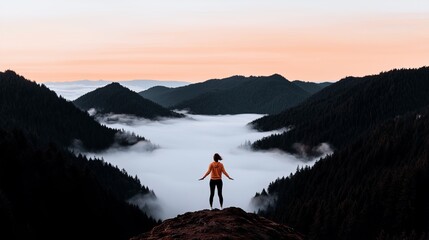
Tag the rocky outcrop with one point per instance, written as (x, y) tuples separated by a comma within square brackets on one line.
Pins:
[(231, 223)]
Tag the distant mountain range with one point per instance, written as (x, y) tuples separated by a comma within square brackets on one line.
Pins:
[(345, 110), (114, 98), (39, 113), (234, 95), (74, 89)]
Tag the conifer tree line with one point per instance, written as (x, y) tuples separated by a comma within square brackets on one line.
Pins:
[(375, 184), (47, 192)]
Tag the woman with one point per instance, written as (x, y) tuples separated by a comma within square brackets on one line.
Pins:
[(216, 169)]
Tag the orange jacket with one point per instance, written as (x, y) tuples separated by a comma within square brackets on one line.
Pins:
[(216, 169)]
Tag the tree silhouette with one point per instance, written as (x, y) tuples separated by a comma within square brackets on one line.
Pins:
[(374, 188)]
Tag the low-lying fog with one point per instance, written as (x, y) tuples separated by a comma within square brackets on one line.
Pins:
[(186, 147)]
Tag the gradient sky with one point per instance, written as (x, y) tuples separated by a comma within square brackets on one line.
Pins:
[(195, 40)]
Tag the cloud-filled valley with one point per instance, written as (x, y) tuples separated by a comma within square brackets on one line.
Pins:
[(185, 149)]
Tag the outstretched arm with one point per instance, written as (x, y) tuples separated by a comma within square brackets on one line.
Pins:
[(207, 173), (226, 174)]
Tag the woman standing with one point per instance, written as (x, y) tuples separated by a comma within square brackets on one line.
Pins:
[(216, 169)]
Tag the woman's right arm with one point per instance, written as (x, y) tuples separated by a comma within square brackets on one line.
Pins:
[(207, 173)]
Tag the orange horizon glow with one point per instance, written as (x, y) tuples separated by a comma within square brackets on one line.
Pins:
[(194, 45)]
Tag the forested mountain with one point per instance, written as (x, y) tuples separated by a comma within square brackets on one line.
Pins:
[(375, 188), (343, 111), (233, 95), (311, 87), (116, 182), (159, 94), (39, 112), (48, 193), (115, 98), (169, 97), (271, 94)]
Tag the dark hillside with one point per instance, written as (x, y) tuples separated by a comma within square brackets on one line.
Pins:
[(343, 111), (311, 87), (47, 193), (38, 111), (375, 188)]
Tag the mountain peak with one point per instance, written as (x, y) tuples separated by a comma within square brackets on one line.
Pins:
[(276, 75), (115, 85), (230, 223), (115, 98), (10, 72)]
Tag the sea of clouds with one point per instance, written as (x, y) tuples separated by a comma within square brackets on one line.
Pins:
[(184, 149)]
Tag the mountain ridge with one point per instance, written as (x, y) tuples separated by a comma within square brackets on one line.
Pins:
[(232, 95), (188, 92), (341, 112), (38, 111)]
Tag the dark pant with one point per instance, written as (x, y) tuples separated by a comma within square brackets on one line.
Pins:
[(216, 183)]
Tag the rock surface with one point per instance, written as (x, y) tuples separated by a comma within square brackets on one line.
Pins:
[(231, 223)]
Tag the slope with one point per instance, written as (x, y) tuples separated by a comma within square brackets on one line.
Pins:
[(48, 193), (375, 188), (114, 98), (311, 87), (38, 111), (341, 112)]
